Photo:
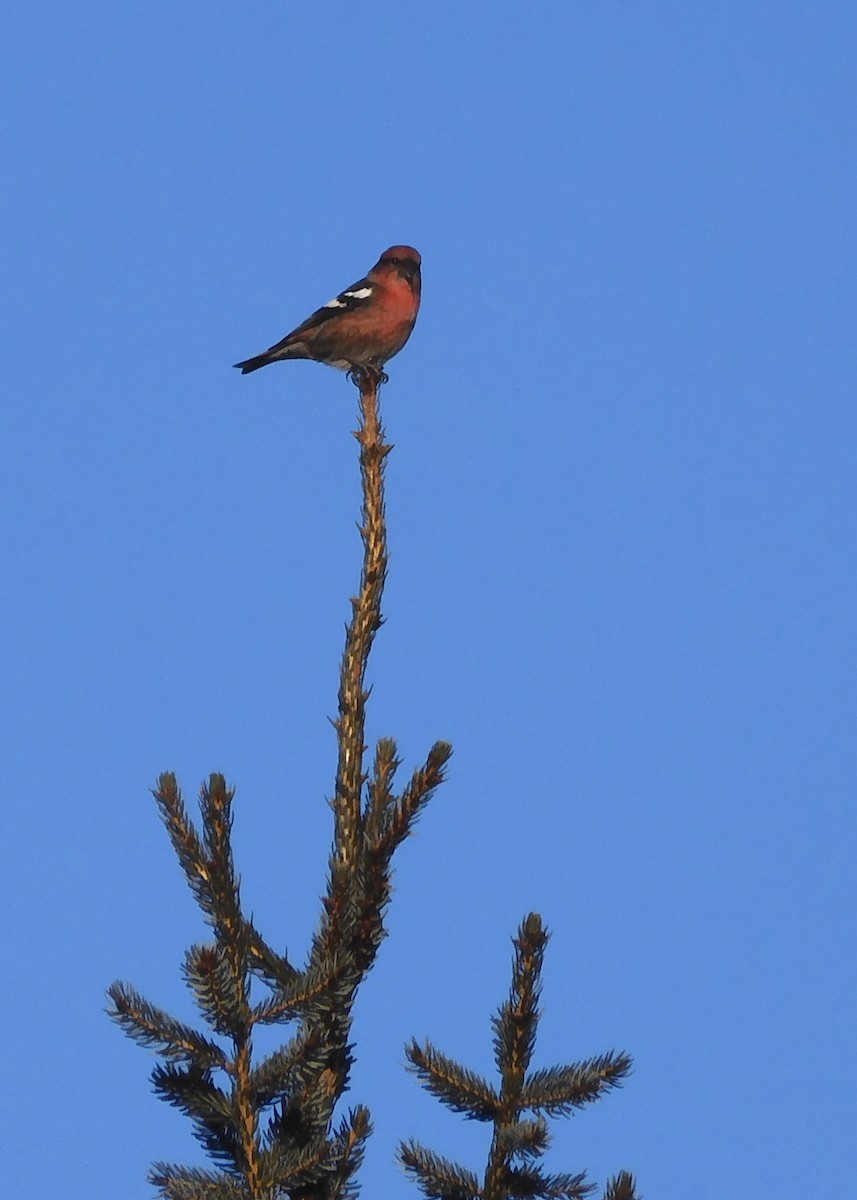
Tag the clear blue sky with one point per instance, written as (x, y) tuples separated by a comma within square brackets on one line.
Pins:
[(622, 519)]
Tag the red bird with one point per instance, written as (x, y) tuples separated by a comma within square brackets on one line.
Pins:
[(363, 326)]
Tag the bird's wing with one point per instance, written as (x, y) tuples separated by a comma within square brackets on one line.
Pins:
[(352, 299)]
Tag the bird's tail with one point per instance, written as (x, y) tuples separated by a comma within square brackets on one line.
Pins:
[(253, 364), (287, 348)]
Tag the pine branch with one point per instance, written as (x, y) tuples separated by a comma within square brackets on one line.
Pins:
[(459, 1089), (233, 942), (514, 1041), (389, 820), (286, 1164), (437, 1177), (184, 838), (517, 1021), (622, 1187), (152, 1027), (359, 885), (349, 1148), (229, 925), (365, 622), (216, 1123), (341, 904), (402, 813), (380, 789), (529, 1183), (524, 1139), (303, 991), (558, 1090), (193, 1183), (376, 887), (208, 974), (511, 1172), (283, 1074)]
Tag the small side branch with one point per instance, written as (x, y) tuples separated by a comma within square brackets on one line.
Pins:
[(519, 1108)]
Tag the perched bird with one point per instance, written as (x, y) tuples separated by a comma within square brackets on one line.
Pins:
[(363, 326)]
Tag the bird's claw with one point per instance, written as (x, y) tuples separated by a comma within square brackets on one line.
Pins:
[(361, 373)]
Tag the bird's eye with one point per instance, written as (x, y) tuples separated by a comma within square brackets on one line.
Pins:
[(395, 260)]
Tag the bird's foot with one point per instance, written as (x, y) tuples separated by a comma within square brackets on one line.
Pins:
[(363, 373)]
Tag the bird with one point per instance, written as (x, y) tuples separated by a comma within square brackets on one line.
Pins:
[(363, 327)]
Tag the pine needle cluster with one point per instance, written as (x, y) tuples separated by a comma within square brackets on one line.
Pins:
[(519, 1108)]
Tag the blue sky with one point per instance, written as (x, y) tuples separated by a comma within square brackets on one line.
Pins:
[(621, 509)]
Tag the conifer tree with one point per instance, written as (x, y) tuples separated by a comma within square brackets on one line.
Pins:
[(519, 1108), (270, 1125)]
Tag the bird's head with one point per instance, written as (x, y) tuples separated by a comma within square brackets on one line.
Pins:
[(403, 261)]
